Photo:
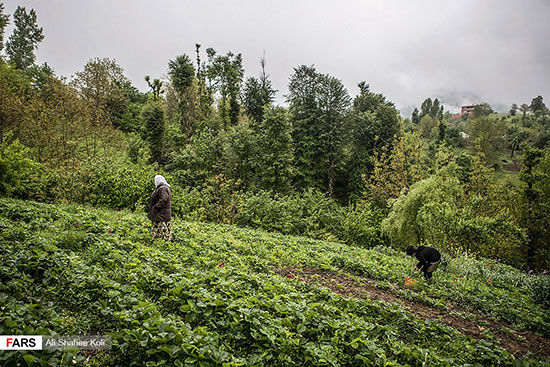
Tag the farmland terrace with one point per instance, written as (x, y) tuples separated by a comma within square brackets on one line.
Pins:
[(223, 295)]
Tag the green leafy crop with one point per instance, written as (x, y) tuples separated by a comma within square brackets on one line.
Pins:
[(211, 297)]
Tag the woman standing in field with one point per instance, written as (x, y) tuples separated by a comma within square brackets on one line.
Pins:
[(159, 210)]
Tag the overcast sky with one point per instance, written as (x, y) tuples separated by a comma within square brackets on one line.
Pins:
[(462, 52)]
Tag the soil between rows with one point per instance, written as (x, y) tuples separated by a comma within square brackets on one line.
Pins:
[(519, 342)]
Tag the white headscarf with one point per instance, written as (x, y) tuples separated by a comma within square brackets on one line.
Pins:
[(159, 180)]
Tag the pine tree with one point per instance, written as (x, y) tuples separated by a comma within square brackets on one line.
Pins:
[(258, 93), (25, 38), (4, 21)]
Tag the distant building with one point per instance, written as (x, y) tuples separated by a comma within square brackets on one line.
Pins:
[(467, 109)]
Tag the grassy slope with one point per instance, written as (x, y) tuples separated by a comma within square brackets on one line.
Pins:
[(210, 298)]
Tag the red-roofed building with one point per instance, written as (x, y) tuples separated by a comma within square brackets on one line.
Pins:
[(467, 109)]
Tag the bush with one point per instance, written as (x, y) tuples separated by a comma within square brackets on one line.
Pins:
[(216, 200), (21, 176), (309, 213), (192, 164), (111, 182), (540, 290), (362, 225)]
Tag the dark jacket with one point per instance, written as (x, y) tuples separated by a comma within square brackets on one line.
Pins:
[(426, 255), (159, 208)]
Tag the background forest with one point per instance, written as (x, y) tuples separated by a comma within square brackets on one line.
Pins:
[(331, 164)]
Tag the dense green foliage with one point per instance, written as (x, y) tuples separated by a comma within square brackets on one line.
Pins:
[(339, 183), (153, 118), (437, 211), (211, 297), (317, 105), (362, 156)]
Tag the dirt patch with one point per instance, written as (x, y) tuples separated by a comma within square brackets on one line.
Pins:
[(515, 166), (517, 342)]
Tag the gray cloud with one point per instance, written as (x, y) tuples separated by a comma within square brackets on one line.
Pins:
[(459, 51)]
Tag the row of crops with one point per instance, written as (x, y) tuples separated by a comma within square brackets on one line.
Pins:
[(211, 298)]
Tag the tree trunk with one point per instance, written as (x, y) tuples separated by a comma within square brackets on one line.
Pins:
[(331, 177)]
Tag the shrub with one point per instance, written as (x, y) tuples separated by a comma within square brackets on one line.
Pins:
[(217, 200), (540, 290), (21, 176), (309, 213), (111, 182), (362, 225)]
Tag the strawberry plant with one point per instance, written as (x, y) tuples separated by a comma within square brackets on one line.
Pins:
[(211, 298)]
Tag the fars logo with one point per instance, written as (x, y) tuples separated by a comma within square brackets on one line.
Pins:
[(20, 342)]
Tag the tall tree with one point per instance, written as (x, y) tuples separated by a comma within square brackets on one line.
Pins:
[(513, 109), (226, 75), (204, 93), (103, 84), (334, 101), (182, 76), (318, 103), (395, 167), (482, 109), (538, 105), (524, 108), (415, 118), (426, 107), (489, 134), (258, 93), (4, 21), (155, 85), (181, 72), (434, 109), (305, 114), (25, 38), (532, 193), (372, 125), (153, 120), (274, 156)]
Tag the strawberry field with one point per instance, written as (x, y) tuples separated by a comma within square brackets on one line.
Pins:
[(226, 296)]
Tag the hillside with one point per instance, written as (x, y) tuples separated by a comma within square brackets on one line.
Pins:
[(223, 295)]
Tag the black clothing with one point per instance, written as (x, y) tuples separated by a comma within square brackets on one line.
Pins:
[(159, 208), (426, 256)]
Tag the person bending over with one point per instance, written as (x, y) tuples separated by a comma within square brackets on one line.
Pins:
[(429, 259)]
